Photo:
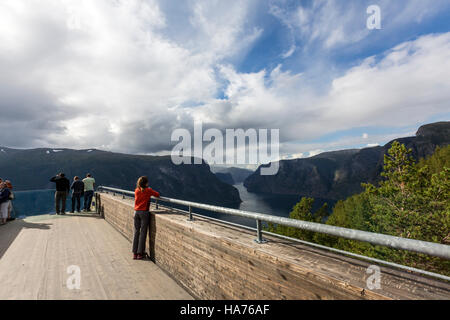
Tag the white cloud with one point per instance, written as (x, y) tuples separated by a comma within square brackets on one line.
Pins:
[(99, 68), (313, 153), (331, 23), (290, 52), (113, 75), (409, 79)]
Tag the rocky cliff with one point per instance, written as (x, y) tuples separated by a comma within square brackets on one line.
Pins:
[(32, 169), (337, 175), (238, 174), (225, 177)]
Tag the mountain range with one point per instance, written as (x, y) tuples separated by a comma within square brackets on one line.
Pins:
[(339, 174), (31, 169), (330, 175), (231, 175)]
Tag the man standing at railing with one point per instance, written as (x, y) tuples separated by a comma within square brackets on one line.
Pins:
[(89, 185), (77, 191), (62, 189)]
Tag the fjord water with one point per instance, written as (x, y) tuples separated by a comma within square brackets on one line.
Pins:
[(273, 204), (277, 205), (35, 202)]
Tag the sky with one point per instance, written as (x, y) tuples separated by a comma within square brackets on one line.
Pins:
[(123, 75)]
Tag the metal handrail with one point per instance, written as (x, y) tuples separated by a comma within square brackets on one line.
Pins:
[(418, 246)]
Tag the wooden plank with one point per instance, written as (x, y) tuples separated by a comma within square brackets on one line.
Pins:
[(216, 261), (37, 252)]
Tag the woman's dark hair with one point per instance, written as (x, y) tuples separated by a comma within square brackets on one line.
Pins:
[(142, 183)]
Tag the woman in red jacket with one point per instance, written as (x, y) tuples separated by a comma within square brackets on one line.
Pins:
[(142, 196)]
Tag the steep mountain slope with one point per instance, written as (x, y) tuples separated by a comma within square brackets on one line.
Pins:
[(337, 175), (32, 169), (225, 177), (238, 174)]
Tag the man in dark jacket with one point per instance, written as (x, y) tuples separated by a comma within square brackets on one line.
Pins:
[(62, 189), (77, 191)]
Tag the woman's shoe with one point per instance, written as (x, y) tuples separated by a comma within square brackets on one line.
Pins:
[(135, 256), (139, 257)]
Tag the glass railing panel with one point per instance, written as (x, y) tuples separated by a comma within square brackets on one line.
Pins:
[(35, 202)]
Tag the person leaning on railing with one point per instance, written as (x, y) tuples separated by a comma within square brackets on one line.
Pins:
[(142, 196)]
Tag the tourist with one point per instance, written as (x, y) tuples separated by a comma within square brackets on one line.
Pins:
[(62, 190), (4, 202), (77, 188), (142, 196), (11, 197), (89, 185)]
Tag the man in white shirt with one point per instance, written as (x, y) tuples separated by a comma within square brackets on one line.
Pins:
[(89, 185)]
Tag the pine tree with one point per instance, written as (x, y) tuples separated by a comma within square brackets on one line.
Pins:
[(412, 201), (301, 211)]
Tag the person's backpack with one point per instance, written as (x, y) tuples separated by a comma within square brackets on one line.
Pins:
[(11, 196)]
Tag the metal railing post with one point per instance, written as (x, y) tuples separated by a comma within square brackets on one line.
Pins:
[(156, 204), (190, 214), (259, 238)]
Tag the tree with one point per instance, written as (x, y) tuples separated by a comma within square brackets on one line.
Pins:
[(438, 161), (412, 201), (301, 211)]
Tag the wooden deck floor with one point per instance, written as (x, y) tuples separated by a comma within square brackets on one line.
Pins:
[(36, 252)]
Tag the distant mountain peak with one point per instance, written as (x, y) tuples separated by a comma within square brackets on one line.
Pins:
[(441, 129), (337, 153)]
